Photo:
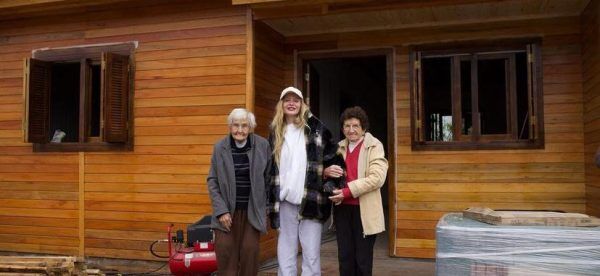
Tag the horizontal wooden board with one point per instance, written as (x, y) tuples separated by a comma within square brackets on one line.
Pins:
[(38, 186), (182, 130), (147, 197), (192, 101), (175, 149), (12, 200), (110, 224), (184, 111), (487, 187), (189, 91), (182, 120), (221, 70), (123, 235), (41, 221), (181, 208), (40, 213), (157, 188), (142, 216), (39, 248), (493, 197), (191, 63), (39, 231), (147, 159), (150, 169), (26, 239), (192, 81), (171, 26), (178, 140)]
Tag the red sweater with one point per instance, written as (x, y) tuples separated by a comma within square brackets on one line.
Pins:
[(351, 173)]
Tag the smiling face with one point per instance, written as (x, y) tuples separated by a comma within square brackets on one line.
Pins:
[(239, 129), (291, 104), (353, 130)]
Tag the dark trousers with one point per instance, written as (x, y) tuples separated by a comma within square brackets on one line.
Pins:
[(237, 251), (355, 251)]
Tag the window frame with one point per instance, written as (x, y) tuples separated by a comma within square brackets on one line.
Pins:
[(87, 56), (457, 52)]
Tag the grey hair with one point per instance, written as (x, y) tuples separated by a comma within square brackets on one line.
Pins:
[(241, 113)]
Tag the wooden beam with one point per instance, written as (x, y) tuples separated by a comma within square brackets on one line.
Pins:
[(22, 3), (81, 208), (243, 2), (286, 9), (249, 61)]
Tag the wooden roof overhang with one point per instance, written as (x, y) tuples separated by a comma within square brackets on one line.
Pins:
[(309, 17)]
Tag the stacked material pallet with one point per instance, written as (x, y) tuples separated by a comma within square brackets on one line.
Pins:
[(44, 265), (466, 246)]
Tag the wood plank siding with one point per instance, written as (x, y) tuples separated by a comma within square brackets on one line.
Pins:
[(590, 26), (431, 183), (190, 71), (268, 83)]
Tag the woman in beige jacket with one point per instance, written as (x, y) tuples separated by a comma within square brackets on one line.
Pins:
[(358, 211)]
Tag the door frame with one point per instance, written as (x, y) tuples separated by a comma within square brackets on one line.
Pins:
[(301, 58)]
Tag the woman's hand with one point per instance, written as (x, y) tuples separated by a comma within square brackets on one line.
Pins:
[(337, 197), (225, 220), (333, 171)]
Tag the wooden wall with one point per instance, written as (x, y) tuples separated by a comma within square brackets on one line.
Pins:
[(268, 83), (590, 28), (269, 62), (190, 72), (431, 183)]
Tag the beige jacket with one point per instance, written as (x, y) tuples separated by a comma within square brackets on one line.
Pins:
[(372, 170)]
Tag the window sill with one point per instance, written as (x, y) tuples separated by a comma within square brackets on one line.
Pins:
[(86, 147), (494, 145)]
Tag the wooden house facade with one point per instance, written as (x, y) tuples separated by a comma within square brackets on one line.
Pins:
[(154, 82)]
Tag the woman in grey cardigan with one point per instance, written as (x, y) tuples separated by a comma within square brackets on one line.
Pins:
[(237, 187)]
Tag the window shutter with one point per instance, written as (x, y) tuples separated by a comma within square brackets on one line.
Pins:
[(532, 95), (115, 91), (38, 81), (417, 98)]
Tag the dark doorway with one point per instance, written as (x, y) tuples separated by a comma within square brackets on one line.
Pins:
[(334, 83)]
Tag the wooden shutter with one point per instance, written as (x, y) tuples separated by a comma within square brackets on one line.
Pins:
[(417, 103), (115, 92), (532, 95), (38, 81)]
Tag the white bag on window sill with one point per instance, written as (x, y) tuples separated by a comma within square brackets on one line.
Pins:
[(58, 136)]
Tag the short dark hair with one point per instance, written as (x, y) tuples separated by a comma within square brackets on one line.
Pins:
[(358, 113)]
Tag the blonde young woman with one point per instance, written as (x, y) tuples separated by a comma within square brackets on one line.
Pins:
[(300, 144)]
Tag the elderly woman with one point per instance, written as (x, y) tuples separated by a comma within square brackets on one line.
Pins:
[(237, 187), (300, 205), (358, 212)]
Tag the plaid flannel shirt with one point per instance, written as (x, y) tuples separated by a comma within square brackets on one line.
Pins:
[(315, 202)]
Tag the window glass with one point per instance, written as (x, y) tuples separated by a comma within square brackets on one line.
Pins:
[(437, 98), (465, 98), (95, 102), (492, 92), (64, 102)]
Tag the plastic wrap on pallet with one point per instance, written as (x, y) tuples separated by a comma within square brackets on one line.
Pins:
[(469, 247)]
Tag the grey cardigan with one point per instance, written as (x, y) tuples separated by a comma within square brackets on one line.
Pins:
[(221, 181)]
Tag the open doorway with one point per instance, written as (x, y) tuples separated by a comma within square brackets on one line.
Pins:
[(333, 82)]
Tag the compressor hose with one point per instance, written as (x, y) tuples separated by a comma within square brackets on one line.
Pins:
[(154, 253)]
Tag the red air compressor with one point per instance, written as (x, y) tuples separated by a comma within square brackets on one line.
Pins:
[(197, 256)]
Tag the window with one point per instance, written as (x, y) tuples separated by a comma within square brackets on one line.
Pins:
[(79, 98), (484, 98)]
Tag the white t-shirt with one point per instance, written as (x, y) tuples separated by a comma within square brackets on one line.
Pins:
[(292, 165)]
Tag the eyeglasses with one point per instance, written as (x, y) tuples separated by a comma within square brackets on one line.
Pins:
[(240, 126), (354, 127)]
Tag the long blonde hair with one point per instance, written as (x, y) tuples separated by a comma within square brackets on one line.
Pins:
[(278, 126)]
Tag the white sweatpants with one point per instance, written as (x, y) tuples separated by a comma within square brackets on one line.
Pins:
[(291, 230)]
